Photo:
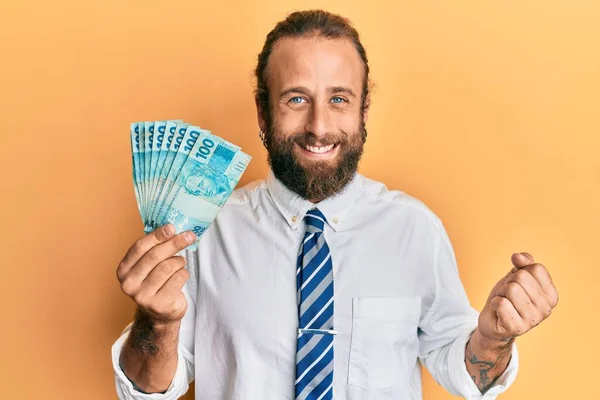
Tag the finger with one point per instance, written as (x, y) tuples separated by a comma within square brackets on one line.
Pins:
[(499, 284), (159, 253), (174, 283), (521, 260), (509, 321), (542, 276), (514, 292), (170, 301), (159, 275), (532, 288), (141, 247)]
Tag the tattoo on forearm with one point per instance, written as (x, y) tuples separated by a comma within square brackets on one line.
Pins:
[(484, 368), (143, 336)]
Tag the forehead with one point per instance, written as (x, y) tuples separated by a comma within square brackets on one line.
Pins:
[(314, 62)]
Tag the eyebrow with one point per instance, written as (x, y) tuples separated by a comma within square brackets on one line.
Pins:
[(330, 90)]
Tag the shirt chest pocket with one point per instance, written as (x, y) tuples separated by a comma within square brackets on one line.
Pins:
[(382, 331)]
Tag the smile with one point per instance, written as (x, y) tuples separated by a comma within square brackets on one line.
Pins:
[(318, 152)]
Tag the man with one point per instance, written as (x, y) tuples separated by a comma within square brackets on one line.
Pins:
[(317, 283)]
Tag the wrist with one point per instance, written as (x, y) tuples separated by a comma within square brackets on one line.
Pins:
[(151, 329), (482, 344)]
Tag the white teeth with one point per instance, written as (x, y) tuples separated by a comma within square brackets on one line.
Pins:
[(319, 150)]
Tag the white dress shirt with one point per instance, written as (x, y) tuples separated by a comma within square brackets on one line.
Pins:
[(398, 301)]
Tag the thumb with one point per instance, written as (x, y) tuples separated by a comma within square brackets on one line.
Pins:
[(521, 260)]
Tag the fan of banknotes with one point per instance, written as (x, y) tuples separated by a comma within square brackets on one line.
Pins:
[(182, 174)]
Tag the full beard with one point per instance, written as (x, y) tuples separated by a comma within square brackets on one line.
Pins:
[(315, 180)]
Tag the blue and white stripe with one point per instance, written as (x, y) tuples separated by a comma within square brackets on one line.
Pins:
[(314, 279)]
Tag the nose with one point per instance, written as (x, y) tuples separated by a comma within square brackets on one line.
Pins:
[(319, 121)]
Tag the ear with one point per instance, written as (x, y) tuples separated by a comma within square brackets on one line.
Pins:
[(260, 115)]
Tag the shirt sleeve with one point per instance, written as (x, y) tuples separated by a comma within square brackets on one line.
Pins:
[(184, 373), (447, 327)]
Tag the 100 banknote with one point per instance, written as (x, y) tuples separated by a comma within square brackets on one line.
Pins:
[(182, 174)]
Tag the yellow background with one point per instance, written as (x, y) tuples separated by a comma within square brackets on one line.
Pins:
[(488, 112)]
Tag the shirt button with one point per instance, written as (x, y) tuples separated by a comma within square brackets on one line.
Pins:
[(335, 220), (294, 218)]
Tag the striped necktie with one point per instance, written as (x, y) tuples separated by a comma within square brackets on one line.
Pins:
[(314, 280)]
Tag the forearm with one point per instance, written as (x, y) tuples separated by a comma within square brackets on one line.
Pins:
[(149, 356), (486, 360)]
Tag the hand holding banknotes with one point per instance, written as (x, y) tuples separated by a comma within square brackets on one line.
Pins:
[(182, 177), (152, 274)]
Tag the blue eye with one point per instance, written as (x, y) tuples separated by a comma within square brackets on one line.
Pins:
[(296, 100), (338, 100)]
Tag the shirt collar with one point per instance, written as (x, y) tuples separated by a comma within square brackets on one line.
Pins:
[(293, 208)]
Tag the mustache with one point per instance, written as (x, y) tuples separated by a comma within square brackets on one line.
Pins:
[(310, 139)]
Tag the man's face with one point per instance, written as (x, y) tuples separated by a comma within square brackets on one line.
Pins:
[(315, 131)]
